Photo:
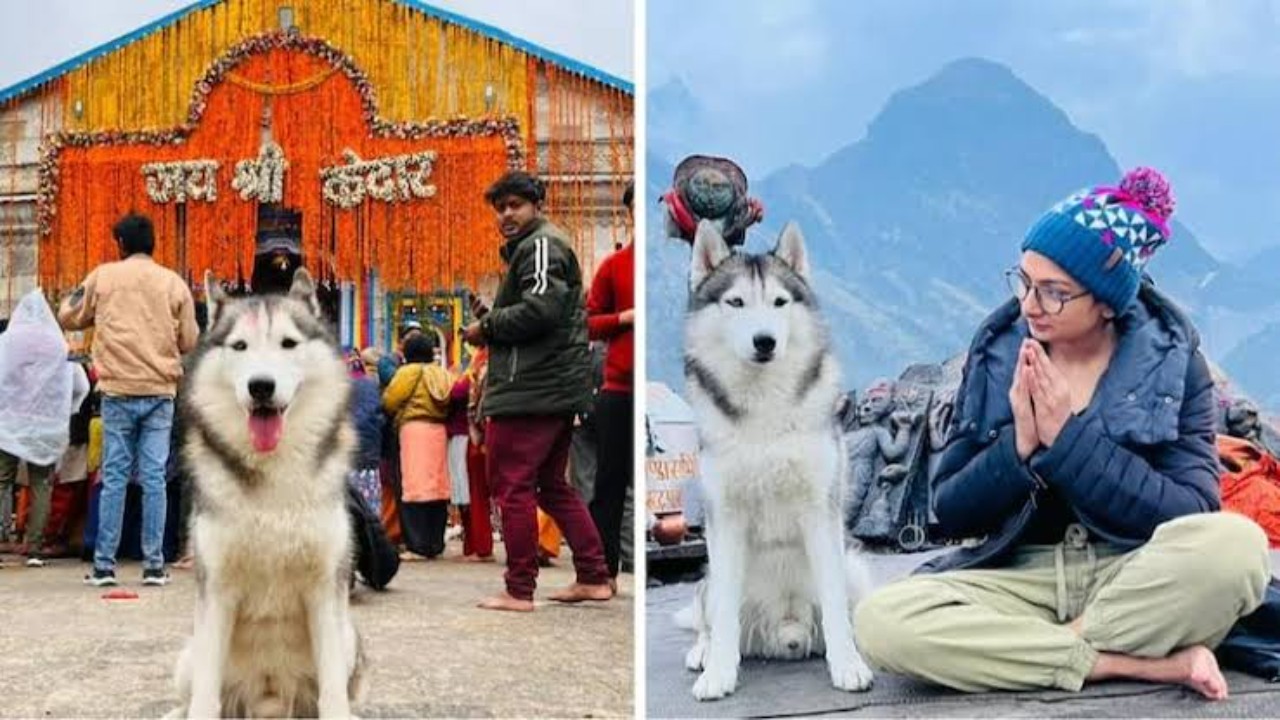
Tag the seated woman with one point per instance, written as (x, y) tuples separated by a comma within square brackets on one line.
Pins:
[(1083, 447)]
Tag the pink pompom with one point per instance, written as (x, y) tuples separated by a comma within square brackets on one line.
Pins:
[(1150, 190)]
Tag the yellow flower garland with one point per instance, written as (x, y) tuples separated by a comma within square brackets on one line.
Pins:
[(422, 67), (287, 89)]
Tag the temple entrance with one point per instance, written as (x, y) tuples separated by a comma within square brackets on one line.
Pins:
[(277, 248), (438, 313)]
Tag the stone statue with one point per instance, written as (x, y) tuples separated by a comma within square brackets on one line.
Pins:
[(901, 430), (873, 451), (938, 431), (1242, 421), (1241, 418), (883, 504)]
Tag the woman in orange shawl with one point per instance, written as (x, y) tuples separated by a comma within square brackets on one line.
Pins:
[(418, 401)]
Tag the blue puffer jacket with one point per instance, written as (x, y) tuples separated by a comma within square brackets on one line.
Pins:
[(366, 412), (1145, 456)]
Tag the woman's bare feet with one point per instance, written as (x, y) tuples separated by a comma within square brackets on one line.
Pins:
[(1197, 668), (504, 601), (578, 592), (1194, 667)]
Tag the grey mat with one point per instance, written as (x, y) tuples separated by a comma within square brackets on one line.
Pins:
[(788, 689)]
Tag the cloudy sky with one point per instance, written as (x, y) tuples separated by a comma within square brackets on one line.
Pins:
[(36, 35), (1189, 86)]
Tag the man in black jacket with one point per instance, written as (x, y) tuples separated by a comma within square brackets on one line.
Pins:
[(538, 379)]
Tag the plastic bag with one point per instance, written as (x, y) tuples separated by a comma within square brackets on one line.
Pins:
[(39, 387)]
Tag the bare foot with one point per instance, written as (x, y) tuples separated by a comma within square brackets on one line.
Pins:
[(1197, 668), (578, 592), (1194, 667), (504, 601), (410, 556), (185, 563)]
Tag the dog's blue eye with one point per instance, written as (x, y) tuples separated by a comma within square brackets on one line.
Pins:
[(780, 302), (288, 343), (735, 302), (239, 346)]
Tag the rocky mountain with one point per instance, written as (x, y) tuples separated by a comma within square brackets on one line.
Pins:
[(911, 227)]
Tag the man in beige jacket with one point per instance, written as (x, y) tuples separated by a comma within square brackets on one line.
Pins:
[(145, 320)]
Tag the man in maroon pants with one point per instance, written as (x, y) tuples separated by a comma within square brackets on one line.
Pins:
[(538, 377)]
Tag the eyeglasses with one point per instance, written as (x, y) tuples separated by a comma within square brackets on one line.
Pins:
[(1051, 300)]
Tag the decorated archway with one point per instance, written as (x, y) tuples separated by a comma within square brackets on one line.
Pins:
[(284, 119)]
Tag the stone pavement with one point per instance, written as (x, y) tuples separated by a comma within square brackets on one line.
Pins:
[(788, 689), (65, 652)]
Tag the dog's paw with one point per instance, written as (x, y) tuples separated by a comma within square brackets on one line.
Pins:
[(716, 682), (696, 658), (851, 675)]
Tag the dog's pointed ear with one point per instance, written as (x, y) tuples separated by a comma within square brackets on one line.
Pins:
[(214, 297), (304, 290), (791, 250), (709, 250)]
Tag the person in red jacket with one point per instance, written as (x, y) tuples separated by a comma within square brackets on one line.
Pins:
[(611, 317)]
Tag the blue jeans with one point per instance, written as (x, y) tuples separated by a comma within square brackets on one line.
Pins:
[(133, 428)]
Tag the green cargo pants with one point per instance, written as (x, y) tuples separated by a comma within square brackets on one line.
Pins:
[(1005, 629), (41, 493)]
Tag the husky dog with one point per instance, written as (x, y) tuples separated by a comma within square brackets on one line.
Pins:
[(779, 621), (766, 387), (269, 442)]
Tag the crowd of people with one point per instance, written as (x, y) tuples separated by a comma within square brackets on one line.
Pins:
[(439, 446)]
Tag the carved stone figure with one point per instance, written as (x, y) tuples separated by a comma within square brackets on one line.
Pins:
[(882, 505), (894, 438), (872, 449), (1242, 421)]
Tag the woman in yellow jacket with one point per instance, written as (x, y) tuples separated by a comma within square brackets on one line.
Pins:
[(418, 402)]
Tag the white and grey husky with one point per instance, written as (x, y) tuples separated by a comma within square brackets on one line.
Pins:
[(765, 386), (268, 442)]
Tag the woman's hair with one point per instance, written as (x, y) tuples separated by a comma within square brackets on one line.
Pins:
[(420, 348), (518, 183)]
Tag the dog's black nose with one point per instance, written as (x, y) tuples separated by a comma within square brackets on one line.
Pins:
[(764, 344), (793, 645), (261, 389)]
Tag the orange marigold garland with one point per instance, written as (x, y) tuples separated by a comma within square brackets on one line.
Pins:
[(88, 179)]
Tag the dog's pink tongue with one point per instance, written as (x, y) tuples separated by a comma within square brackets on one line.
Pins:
[(266, 430)]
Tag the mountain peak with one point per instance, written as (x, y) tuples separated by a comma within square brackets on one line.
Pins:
[(979, 90), (979, 68), (674, 91)]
